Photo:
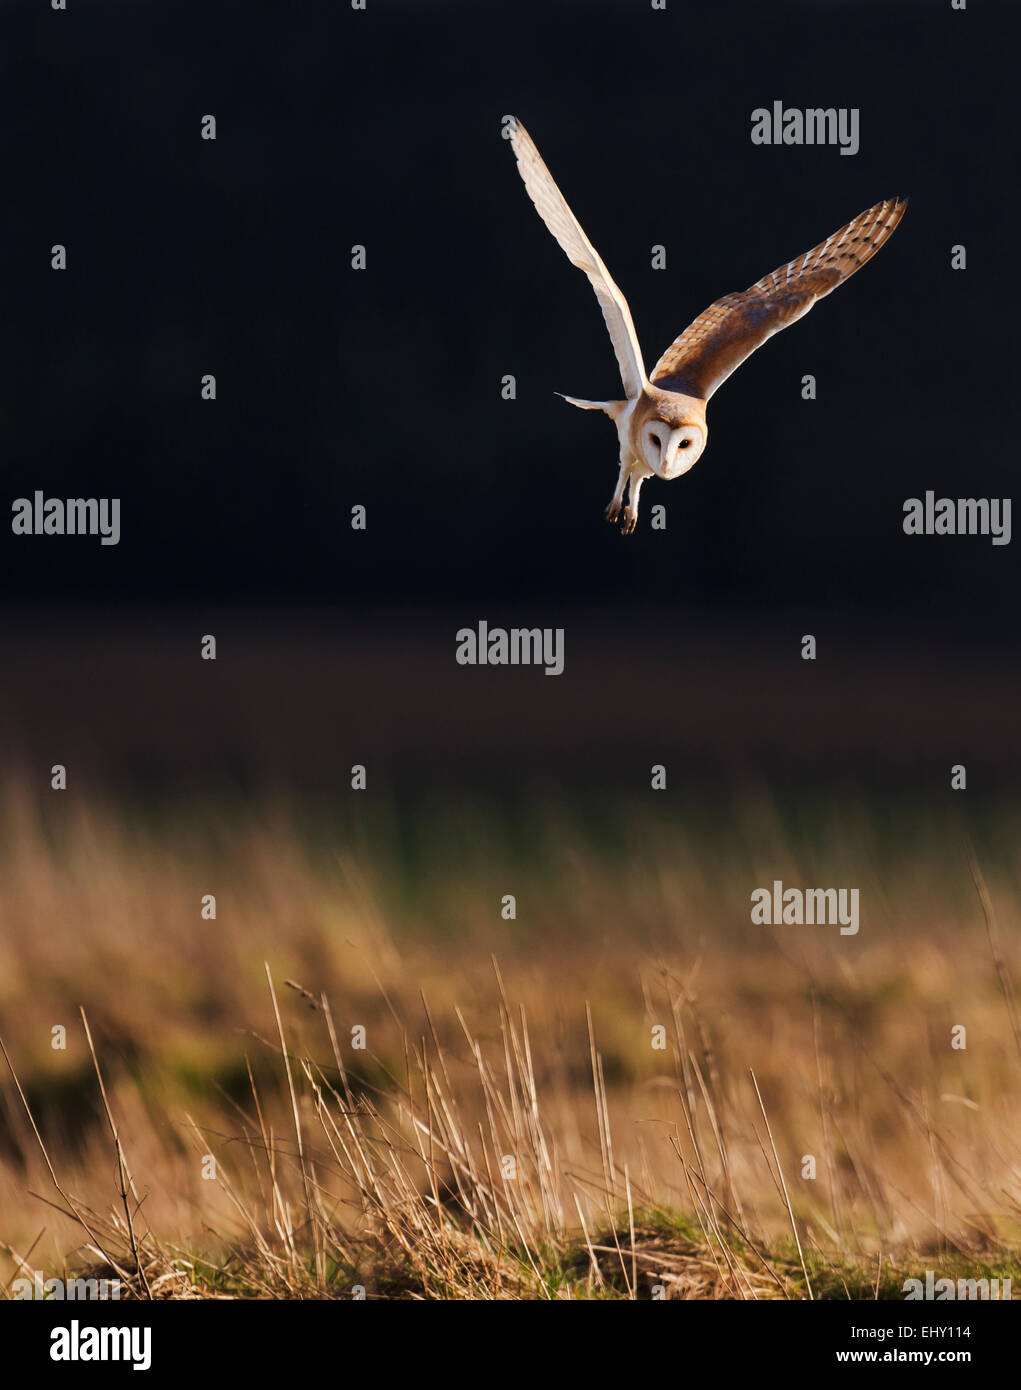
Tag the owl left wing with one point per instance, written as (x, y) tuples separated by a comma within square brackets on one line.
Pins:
[(566, 230), (719, 340)]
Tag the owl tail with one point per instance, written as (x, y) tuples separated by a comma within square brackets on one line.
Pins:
[(612, 408)]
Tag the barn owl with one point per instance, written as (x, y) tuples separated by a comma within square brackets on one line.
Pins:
[(661, 424)]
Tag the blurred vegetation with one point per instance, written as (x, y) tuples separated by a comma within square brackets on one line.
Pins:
[(479, 1047)]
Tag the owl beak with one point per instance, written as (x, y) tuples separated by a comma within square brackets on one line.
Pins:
[(670, 461), (674, 463)]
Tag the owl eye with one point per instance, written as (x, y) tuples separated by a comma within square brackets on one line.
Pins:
[(685, 443), (654, 439)]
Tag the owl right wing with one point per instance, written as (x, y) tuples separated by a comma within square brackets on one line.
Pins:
[(561, 222), (701, 359)]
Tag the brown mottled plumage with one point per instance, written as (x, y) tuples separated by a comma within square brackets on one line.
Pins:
[(730, 330), (661, 425)]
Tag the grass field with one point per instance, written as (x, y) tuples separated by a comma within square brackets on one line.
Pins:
[(614, 1093)]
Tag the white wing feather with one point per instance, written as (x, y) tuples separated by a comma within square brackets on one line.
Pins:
[(566, 230)]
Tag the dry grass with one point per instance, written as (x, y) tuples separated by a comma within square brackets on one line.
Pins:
[(509, 1129)]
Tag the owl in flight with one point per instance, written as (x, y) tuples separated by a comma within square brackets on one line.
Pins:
[(661, 425)]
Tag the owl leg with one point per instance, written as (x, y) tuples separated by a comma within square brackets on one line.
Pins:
[(631, 510), (613, 510)]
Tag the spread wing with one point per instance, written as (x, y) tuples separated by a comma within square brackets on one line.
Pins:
[(730, 330), (565, 228)]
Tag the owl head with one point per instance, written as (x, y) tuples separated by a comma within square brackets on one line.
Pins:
[(668, 432), (669, 449), (665, 430)]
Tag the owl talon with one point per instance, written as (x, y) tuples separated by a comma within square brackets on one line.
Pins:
[(630, 521), (612, 512)]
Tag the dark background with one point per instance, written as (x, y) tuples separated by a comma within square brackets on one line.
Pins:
[(382, 387)]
